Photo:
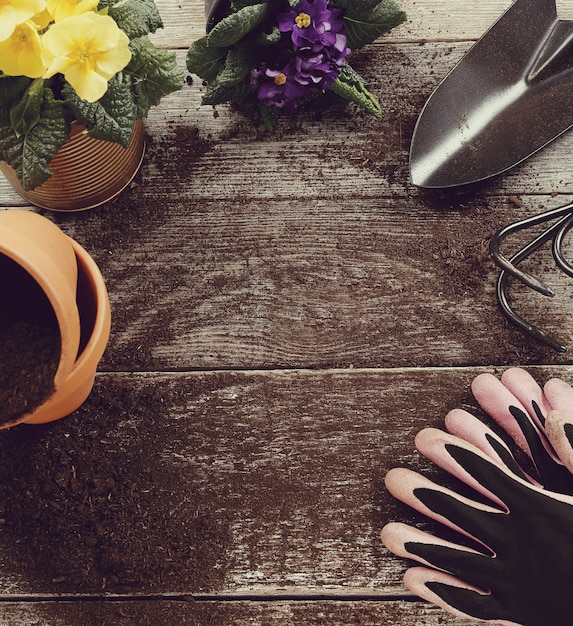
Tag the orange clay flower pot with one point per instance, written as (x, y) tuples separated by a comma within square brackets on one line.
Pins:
[(48, 256), (95, 320), (86, 172), (76, 291)]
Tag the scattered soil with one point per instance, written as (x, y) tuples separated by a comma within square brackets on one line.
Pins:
[(29, 343), (88, 503)]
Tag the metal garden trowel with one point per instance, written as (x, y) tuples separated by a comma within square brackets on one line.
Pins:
[(509, 96)]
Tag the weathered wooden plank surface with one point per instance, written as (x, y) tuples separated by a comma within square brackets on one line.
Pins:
[(229, 482), (167, 613), (302, 249), (290, 283), (236, 441)]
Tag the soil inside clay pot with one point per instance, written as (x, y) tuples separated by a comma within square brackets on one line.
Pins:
[(29, 343)]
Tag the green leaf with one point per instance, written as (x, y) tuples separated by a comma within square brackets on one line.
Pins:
[(272, 38), (357, 8), (217, 93), (12, 88), (204, 60), (237, 5), (110, 118), (350, 86), (25, 113), (31, 153), (154, 73), (235, 26), (238, 64), (135, 17), (367, 28)]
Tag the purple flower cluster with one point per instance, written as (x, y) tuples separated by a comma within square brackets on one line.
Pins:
[(318, 49)]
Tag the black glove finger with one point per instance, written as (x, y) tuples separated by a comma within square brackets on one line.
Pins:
[(478, 521), (458, 560), (466, 426), (553, 475), (454, 596), (495, 397), (436, 446), (519, 405), (529, 394), (473, 567)]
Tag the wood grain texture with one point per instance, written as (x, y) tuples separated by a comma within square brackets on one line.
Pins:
[(214, 613), (284, 283)]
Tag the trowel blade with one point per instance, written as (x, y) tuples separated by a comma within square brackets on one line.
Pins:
[(509, 96)]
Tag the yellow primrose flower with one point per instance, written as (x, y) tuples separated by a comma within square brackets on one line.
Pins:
[(60, 9), (88, 50), (42, 19), (14, 12), (21, 54)]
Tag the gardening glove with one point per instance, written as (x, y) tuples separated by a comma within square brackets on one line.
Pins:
[(519, 405), (520, 572)]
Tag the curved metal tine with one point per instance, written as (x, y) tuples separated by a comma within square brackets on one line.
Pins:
[(558, 255), (509, 265), (531, 329)]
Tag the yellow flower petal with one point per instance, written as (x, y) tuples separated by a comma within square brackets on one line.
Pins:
[(88, 50), (20, 54), (41, 20), (15, 12), (87, 83), (108, 60), (61, 9)]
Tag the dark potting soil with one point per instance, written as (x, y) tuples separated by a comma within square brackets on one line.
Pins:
[(29, 343)]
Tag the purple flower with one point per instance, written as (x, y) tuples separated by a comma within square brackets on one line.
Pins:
[(317, 47), (316, 69), (312, 22), (277, 88)]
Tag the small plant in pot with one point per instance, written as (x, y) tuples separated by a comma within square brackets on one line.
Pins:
[(272, 56), (86, 65)]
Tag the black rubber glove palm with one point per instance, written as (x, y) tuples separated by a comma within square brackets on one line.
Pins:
[(524, 574)]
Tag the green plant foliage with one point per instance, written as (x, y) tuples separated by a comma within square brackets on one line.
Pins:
[(205, 59), (110, 118), (30, 152), (35, 115), (350, 86), (367, 20), (225, 57), (25, 113), (154, 74), (135, 17), (234, 27)]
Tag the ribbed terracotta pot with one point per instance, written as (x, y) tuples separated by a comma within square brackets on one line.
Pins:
[(76, 291), (86, 172)]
